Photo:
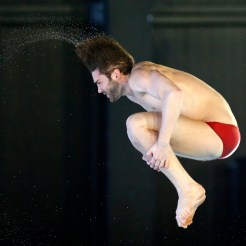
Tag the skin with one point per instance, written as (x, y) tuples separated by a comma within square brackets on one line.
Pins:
[(177, 106)]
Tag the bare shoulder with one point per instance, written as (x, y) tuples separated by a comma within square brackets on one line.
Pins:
[(145, 73), (139, 76), (146, 66)]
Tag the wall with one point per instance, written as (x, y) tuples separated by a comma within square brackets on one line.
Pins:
[(206, 39), (52, 154)]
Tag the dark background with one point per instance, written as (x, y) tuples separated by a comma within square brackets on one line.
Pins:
[(68, 173)]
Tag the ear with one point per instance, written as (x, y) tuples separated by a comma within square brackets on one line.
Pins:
[(116, 74)]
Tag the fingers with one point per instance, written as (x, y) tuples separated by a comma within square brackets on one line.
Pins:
[(162, 164), (150, 153), (155, 164)]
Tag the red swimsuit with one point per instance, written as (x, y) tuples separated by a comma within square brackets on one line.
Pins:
[(230, 136)]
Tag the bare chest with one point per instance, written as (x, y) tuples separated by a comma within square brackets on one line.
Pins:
[(152, 104), (148, 102)]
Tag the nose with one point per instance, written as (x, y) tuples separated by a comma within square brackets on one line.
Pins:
[(99, 89)]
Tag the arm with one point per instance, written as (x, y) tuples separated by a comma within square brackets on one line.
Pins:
[(171, 101), (159, 86)]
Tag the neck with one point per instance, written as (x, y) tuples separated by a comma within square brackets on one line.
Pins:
[(125, 85)]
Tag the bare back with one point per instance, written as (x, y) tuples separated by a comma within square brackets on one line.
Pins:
[(200, 101)]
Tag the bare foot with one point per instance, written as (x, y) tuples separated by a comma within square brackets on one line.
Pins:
[(187, 205)]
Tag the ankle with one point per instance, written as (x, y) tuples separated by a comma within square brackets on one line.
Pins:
[(191, 189)]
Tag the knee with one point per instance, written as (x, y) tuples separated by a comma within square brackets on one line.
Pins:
[(216, 154), (134, 123)]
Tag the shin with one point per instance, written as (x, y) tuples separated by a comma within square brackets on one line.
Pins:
[(140, 136)]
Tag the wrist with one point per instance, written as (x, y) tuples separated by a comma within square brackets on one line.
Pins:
[(163, 144)]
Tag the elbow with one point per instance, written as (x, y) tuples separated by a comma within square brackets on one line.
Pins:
[(174, 96), (179, 95), (176, 92)]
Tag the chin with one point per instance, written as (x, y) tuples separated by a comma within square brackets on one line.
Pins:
[(112, 100)]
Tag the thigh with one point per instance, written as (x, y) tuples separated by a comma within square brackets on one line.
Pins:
[(196, 140), (190, 138)]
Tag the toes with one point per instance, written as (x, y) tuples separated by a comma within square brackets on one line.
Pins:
[(181, 223), (184, 219), (184, 223)]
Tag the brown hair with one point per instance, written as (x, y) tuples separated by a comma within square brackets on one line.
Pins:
[(106, 54)]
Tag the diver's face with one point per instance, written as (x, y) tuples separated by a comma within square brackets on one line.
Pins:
[(108, 87)]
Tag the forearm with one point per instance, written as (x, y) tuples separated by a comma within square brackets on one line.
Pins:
[(171, 108)]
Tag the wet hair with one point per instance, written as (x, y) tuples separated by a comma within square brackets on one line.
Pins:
[(106, 54)]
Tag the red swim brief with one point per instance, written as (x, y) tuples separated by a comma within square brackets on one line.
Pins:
[(230, 136)]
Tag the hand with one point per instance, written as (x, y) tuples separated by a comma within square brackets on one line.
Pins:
[(147, 160), (158, 156)]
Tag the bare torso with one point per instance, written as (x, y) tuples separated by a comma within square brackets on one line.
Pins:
[(200, 101)]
